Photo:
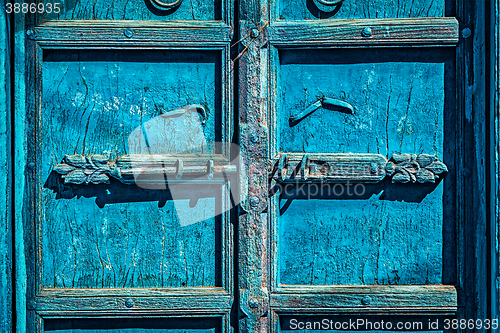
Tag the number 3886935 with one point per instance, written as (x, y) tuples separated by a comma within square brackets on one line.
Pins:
[(32, 8)]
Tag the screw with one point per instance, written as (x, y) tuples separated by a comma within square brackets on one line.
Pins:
[(255, 138), (254, 201), (128, 33), (366, 300), (466, 33), (31, 305), (253, 303), (367, 32), (254, 33), (129, 303)]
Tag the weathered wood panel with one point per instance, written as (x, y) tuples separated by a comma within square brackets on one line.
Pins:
[(124, 89), (399, 100), (314, 9), (360, 242), (130, 325), (6, 290), (135, 10), (92, 102), (394, 32)]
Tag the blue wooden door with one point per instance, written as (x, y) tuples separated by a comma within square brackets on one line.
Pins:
[(117, 94), (255, 166), (357, 110)]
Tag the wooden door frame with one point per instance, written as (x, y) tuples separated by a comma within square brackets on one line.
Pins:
[(6, 253), (484, 293), (493, 121)]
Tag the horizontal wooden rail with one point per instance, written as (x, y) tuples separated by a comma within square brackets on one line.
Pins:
[(429, 299), (369, 32), (206, 34), (119, 302)]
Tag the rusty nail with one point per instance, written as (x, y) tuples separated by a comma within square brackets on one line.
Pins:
[(128, 33), (366, 300), (129, 303), (31, 305), (253, 303), (367, 32), (255, 138)]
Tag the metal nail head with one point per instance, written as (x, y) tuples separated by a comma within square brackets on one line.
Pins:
[(367, 32)]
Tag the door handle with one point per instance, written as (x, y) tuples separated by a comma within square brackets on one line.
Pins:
[(330, 3), (193, 107), (166, 5), (322, 103)]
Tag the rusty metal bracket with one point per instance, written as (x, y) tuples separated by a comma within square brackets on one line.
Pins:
[(360, 168)]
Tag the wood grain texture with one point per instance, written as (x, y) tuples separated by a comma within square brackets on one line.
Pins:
[(471, 185), (23, 231), (66, 302), (384, 32), (6, 232), (92, 102), (168, 324), (142, 10), (433, 299), (400, 98), (369, 9), (86, 33), (494, 56), (352, 235)]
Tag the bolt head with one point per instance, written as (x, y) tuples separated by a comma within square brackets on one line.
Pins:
[(367, 32), (129, 303), (366, 300), (466, 33), (255, 138), (31, 305), (254, 201), (128, 33), (253, 303), (254, 33)]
